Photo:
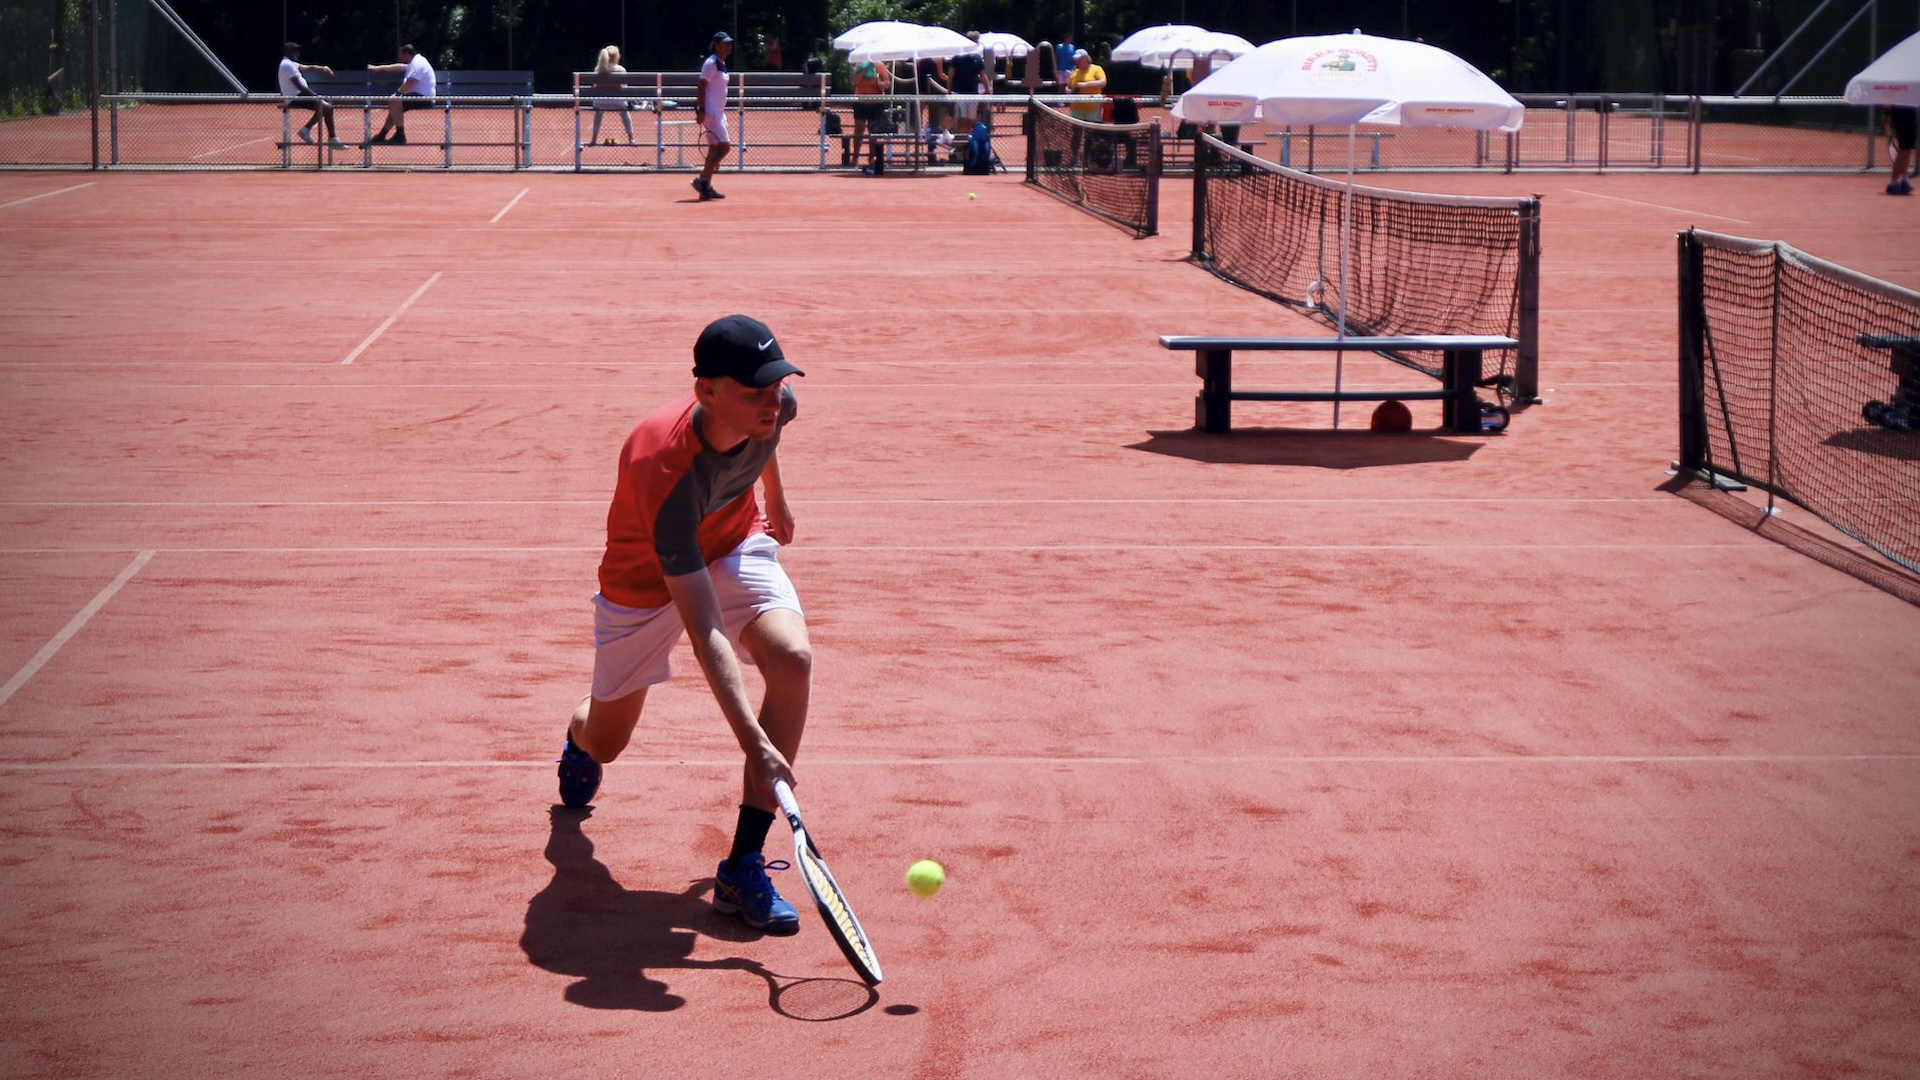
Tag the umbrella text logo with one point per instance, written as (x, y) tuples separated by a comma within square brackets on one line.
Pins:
[(1335, 67)]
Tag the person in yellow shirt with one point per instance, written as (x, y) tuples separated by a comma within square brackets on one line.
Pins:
[(1089, 79)]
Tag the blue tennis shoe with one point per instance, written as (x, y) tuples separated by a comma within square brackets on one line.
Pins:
[(579, 775), (746, 891)]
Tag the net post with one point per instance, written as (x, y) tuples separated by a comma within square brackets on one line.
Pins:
[(1201, 166), (1153, 180), (1526, 361), (1693, 407)]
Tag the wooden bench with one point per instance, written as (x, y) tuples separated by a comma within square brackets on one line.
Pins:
[(1460, 367), (369, 90)]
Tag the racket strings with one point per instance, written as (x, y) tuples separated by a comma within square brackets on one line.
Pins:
[(829, 892)]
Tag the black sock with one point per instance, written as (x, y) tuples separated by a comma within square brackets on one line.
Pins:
[(750, 833)]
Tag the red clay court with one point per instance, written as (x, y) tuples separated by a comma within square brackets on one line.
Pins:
[(1285, 753)]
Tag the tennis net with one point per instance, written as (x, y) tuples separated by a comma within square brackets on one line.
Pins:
[(1420, 264), (1802, 378), (1111, 170)]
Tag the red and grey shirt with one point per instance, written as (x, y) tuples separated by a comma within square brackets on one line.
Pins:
[(680, 504)]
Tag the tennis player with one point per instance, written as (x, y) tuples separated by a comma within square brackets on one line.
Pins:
[(688, 548), (710, 108)]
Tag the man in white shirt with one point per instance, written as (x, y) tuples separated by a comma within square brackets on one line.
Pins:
[(416, 82), (710, 108), (293, 87)]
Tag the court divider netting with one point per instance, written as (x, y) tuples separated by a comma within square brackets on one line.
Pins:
[(1802, 378), (1110, 170), (1419, 264)]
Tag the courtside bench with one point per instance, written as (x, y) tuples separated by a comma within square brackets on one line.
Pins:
[(368, 91), (1460, 366)]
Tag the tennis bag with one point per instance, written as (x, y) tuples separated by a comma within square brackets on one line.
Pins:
[(979, 160)]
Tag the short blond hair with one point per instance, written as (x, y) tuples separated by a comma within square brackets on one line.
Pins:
[(609, 56)]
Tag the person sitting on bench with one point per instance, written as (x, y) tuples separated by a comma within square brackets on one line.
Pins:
[(416, 82), (299, 95)]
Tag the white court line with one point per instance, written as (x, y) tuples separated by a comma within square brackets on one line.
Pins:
[(47, 194), (1198, 501), (917, 549), (509, 206), (1663, 206), (235, 146), (382, 328), (73, 626), (979, 761)]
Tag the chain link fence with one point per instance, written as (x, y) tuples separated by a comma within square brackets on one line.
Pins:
[(1598, 133)]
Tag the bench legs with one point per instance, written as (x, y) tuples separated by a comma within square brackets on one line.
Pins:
[(1458, 372), (1212, 406), (1460, 409)]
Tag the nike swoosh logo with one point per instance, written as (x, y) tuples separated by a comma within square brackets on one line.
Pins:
[(764, 344)]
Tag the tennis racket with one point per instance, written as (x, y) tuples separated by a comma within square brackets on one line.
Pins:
[(826, 892), (1893, 149)]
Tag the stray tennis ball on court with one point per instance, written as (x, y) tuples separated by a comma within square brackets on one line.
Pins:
[(925, 877), (971, 195)]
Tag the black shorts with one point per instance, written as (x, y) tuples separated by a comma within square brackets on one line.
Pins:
[(1900, 119), (868, 113), (410, 101)]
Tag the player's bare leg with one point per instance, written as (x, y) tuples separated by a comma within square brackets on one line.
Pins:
[(604, 728), (777, 641), (597, 733), (704, 185)]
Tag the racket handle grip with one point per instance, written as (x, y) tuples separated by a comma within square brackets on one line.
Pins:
[(784, 795)]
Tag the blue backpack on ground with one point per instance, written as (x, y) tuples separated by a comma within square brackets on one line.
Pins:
[(979, 159)]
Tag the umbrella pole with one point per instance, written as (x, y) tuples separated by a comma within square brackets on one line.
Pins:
[(1346, 251)]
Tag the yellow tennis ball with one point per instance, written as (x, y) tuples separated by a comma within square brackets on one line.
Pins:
[(925, 877), (971, 195)]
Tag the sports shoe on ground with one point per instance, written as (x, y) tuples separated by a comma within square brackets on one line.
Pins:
[(745, 890), (305, 136), (1901, 187), (336, 144), (579, 775), (399, 138)]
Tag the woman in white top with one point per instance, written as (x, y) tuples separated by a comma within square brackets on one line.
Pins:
[(610, 93)]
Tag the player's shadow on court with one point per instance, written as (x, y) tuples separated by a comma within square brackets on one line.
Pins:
[(1878, 441), (609, 939), (1351, 449)]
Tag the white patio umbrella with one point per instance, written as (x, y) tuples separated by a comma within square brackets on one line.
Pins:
[(1894, 79), (853, 36), (1351, 79), (1000, 43), (1212, 44), (1141, 42), (911, 42)]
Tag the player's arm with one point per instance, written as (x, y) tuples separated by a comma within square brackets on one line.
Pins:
[(317, 67), (700, 95), (693, 594), (385, 68), (779, 514)]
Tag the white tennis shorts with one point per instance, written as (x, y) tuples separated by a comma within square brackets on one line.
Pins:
[(633, 647), (716, 126)]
